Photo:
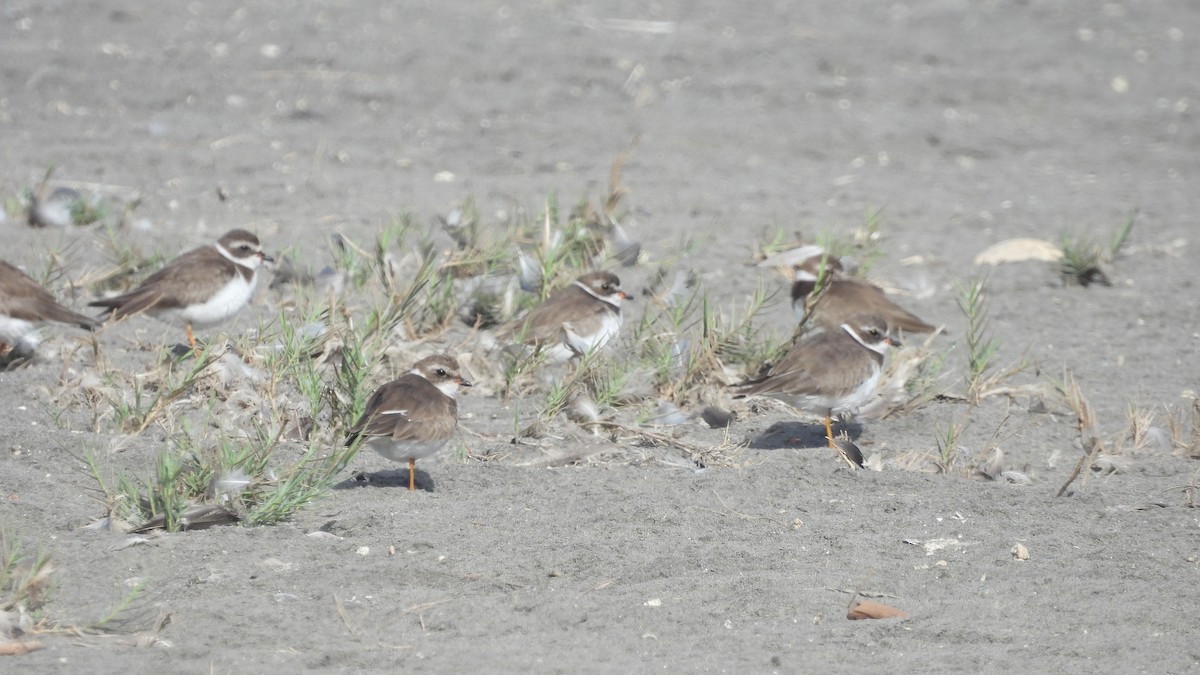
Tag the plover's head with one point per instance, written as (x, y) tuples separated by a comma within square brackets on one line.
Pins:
[(443, 372), (870, 331), (242, 247), (605, 286)]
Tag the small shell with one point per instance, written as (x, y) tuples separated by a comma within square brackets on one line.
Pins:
[(869, 609), (1019, 250), (792, 257)]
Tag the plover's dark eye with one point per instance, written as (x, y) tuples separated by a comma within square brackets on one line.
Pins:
[(441, 372)]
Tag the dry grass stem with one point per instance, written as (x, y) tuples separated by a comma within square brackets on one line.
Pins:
[(1086, 425), (344, 616)]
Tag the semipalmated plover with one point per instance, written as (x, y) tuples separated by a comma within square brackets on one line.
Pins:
[(24, 305), (414, 416), (838, 299), (201, 288), (828, 373), (578, 319)]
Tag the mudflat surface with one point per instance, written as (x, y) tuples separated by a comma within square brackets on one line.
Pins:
[(961, 124)]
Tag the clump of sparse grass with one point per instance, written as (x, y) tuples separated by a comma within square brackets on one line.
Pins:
[(1084, 262), (429, 302), (327, 356), (660, 338), (310, 382), (981, 346), (12, 205), (1138, 431), (774, 242), (863, 243), (73, 204), (947, 446), (478, 251), (557, 396), (563, 249), (1089, 437), (684, 341), (553, 251), (303, 482), (594, 382), (294, 359), (24, 585), (949, 453), (305, 375), (197, 484), (86, 212), (928, 382), (1185, 442), (347, 395), (516, 365), (134, 403), (128, 262), (737, 337), (1165, 428)]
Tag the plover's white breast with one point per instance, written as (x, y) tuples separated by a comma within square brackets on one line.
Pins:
[(18, 332), (228, 301), (575, 343)]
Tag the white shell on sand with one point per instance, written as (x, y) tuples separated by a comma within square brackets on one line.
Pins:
[(1019, 250)]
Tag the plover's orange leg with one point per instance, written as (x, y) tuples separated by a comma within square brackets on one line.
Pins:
[(829, 432), (187, 328), (412, 474)]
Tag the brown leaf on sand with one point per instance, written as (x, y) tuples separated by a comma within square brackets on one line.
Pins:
[(869, 609), (18, 647)]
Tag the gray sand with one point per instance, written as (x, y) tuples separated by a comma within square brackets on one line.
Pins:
[(965, 123)]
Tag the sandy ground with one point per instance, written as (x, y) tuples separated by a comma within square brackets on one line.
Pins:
[(964, 123)]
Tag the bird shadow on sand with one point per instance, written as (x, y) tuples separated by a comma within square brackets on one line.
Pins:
[(390, 478), (801, 435)]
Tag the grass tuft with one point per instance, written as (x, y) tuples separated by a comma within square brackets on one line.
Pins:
[(1084, 262), (24, 584)]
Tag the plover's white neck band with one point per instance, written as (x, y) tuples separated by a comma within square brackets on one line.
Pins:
[(615, 301), (880, 348), (229, 256), (449, 388)]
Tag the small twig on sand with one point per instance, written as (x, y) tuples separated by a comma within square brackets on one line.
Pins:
[(341, 610), (739, 514), (600, 586), (17, 647), (862, 593), (662, 439), (424, 606)]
